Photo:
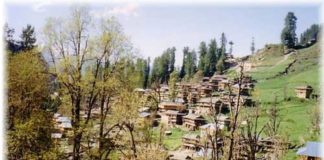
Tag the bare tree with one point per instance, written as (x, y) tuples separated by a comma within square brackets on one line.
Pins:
[(83, 62)]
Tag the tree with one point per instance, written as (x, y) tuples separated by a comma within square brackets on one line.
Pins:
[(189, 65), (87, 65), (163, 66), (142, 69), (211, 59), (250, 134), (171, 51), (172, 85), (28, 129), (252, 46), (220, 66), (11, 44), (310, 35), (147, 73), (28, 38), (202, 53), (223, 43), (231, 48), (288, 34)]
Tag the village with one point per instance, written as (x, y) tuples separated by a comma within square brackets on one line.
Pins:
[(158, 82), (199, 110)]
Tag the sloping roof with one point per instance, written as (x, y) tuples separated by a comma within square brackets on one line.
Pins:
[(304, 87), (66, 125), (56, 135), (222, 117), (144, 114), (191, 136), (212, 126), (139, 90), (172, 112), (168, 103), (311, 149), (208, 100), (56, 115), (194, 116), (63, 119), (144, 109)]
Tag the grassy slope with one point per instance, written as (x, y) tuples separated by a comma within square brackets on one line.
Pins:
[(296, 113)]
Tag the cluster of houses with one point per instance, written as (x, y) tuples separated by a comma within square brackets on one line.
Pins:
[(196, 103), (192, 108), (62, 126)]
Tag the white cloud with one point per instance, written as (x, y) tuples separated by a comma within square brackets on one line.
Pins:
[(40, 6), (128, 10)]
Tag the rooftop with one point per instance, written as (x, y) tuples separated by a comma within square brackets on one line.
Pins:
[(311, 149)]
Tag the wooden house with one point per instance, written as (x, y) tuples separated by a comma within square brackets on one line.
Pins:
[(164, 106), (174, 117), (223, 84), (204, 105), (245, 90), (164, 92), (139, 91), (205, 91), (193, 121), (191, 141), (217, 78), (312, 151), (303, 91), (193, 97), (205, 79)]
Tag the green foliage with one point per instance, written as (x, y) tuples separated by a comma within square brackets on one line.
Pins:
[(189, 65), (288, 34), (174, 77), (142, 68), (252, 46), (31, 137), (202, 54), (28, 38), (163, 66), (310, 34), (27, 85), (220, 66), (296, 120), (211, 59), (29, 128), (223, 41)]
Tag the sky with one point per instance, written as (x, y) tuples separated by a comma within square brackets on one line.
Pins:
[(152, 28)]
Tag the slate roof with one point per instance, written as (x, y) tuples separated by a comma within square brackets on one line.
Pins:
[(311, 149), (66, 125), (144, 114), (56, 135), (172, 112), (63, 119)]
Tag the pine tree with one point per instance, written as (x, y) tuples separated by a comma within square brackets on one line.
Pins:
[(223, 43), (28, 38), (288, 34), (252, 46), (231, 48), (147, 72), (202, 54), (211, 59)]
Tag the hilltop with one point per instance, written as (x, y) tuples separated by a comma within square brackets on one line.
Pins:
[(277, 74)]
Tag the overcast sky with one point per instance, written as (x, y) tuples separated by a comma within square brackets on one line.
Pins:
[(153, 28)]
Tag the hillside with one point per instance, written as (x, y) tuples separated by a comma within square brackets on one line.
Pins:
[(277, 75)]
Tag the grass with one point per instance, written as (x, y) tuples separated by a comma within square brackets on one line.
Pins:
[(295, 114), (173, 141)]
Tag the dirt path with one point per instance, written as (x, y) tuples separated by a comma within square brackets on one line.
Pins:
[(282, 60)]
